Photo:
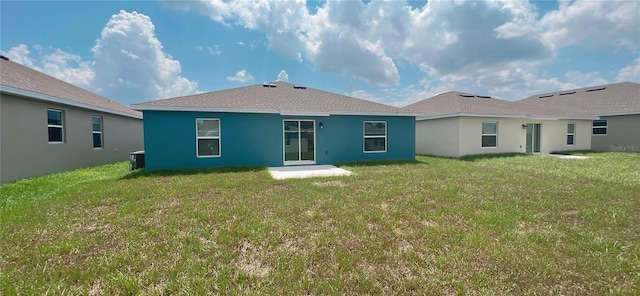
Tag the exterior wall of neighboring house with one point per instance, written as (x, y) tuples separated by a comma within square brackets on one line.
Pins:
[(554, 135), (257, 139), (26, 151), (460, 136), (623, 134), (438, 137), (511, 136)]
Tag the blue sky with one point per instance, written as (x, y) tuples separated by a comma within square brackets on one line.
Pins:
[(395, 52)]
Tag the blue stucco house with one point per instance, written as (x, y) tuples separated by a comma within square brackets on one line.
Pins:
[(272, 124)]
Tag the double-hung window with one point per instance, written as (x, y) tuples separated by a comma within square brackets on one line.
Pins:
[(490, 134), (375, 136), (207, 137), (55, 125), (571, 133), (97, 132), (600, 127)]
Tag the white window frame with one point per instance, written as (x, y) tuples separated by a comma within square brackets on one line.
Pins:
[(100, 132), (605, 127), (482, 134), (210, 137), (365, 137), (573, 134), (60, 126)]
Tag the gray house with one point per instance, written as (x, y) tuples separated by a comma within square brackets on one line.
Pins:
[(49, 126), (617, 105)]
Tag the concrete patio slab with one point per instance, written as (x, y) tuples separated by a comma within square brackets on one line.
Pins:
[(567, 156), (307, 171)]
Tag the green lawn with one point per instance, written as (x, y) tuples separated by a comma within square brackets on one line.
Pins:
[(490, 226)]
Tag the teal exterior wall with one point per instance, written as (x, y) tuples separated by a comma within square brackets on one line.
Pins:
[(251, 139)]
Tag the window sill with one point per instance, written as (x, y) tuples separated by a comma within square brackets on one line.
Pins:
[(375, 151), (207, 156)]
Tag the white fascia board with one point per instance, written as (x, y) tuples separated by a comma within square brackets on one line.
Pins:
[(467, 115), (202, 109), (294, 113), (267, 111), (563, 117), (48, 98), (374, 113), (619, 114)]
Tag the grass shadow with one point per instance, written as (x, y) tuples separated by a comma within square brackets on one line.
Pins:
[(142, 173), (576, 152), (377, 163), (476, 157)]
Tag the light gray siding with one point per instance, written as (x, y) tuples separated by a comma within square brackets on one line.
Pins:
[(26, 152), (623, 134)]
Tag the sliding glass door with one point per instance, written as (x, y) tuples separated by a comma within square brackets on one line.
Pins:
[(299, 142), (533, 138)]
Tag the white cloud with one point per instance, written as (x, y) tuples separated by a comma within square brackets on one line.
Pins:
[(214, 50), (367, 41), (69, 67), (20, 55), (363, 94), (594, 24), (580, 79), (130, 64), (283, 76), (630, 72), (241, 76), (60, 64)]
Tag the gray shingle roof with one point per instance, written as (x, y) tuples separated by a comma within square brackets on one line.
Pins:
[(281, 97), (609, 99), (457, 103), (17, 76)]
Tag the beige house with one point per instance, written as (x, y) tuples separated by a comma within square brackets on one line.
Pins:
[(48, 125), (456, 124), (617, 105)]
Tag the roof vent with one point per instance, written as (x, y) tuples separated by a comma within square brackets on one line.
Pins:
[(4, 58), (297, 86), (466, 96), (547, 96), (596, 89), (567, 93), (484, 97), (271, 85)]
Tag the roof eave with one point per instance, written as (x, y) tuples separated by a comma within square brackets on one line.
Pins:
[(264, 111), (619, 114), (449, 115), (47, 98)]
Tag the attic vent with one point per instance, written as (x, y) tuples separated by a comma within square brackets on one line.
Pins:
[(466, 96), (595, 89), (4, 58), (484, 97), (297, 86), (547, 96), (567, 93), (271, 85)]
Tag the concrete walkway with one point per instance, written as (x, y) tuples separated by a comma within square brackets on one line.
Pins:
[(307, 171)]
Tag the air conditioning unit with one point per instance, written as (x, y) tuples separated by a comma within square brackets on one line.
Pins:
[(137, 160)]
